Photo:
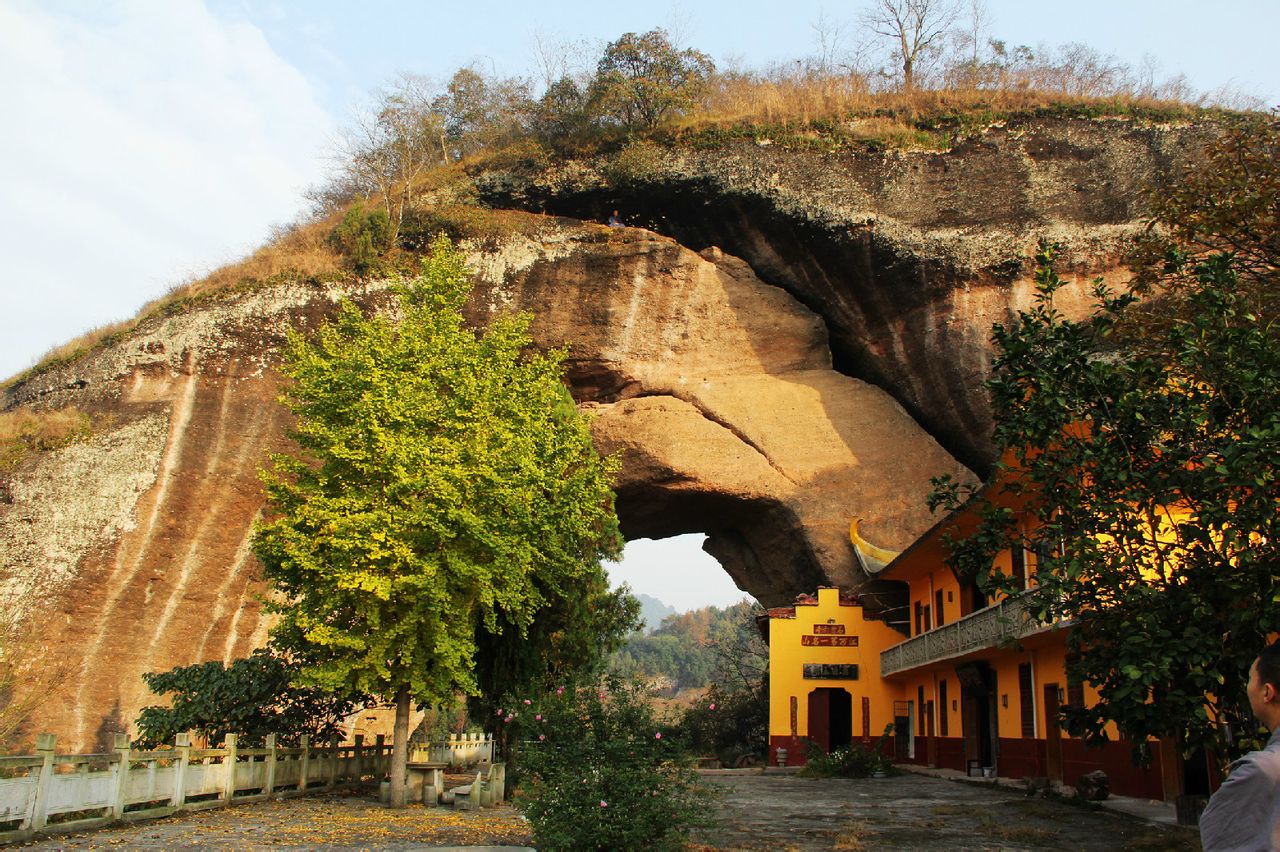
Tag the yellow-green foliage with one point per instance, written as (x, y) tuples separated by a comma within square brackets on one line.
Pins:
[(440, 487), (23, 433)]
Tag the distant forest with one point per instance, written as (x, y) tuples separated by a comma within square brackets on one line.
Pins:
[(699, 649)]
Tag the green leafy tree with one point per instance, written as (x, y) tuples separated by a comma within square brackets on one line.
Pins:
[(252, 697), (571, 640), (441, 487), (1151, 472), (642, 79)]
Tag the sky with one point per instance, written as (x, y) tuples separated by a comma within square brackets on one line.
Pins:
[(150, 141)]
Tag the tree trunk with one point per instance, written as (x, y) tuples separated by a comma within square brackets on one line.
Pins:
[(400, 749)]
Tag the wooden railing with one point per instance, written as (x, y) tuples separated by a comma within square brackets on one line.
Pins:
[(1007, 620), (48, 792)]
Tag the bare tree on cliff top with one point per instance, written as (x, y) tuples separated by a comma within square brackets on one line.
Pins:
[(444, 485), (391, 143), (915, 26)]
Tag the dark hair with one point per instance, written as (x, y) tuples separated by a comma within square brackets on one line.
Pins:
[(1269, 665)]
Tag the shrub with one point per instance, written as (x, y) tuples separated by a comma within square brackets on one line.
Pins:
[(728, 724), (363, 236), (598, 771), (855, 761), (252, 697)]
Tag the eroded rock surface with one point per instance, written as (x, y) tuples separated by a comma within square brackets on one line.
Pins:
[(908, 257), (716, 389)]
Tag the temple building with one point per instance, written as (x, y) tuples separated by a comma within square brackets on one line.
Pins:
[(968, 683)]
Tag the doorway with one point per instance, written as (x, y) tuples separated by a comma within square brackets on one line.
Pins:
[(978, 712), (831, 717)]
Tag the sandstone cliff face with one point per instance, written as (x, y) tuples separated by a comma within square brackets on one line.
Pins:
[(820, 364), (908, 257), (716, 389)]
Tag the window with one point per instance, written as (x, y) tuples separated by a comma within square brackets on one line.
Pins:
[(1026, 700), (937, 607), (1018, 557), (942, 708)]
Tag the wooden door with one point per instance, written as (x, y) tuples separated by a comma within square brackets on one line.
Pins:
[(1052, 733)]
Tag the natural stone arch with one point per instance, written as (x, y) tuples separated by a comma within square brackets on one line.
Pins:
[(907, 257), (715, 389)]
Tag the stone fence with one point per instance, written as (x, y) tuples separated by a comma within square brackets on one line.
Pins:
[(48, 792), (458, 750)]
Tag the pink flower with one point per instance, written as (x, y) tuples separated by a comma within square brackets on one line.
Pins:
[(527, 701), (508, 719), (559, 690), (603, 803), (658, 735), (713, 705), (541, 737), (538, 718), (499, 711)]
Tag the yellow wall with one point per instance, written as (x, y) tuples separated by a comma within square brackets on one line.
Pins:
[(924, 589), (788, 654)]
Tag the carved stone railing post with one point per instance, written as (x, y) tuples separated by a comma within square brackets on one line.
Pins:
[(39, 815), (269, 773), (304, 761), (229, 768), (182, 745), (121, 780)]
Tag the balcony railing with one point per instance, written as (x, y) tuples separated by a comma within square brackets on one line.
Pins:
[(1009, 619)]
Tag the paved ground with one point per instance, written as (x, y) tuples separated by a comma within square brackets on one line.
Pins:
[(758, 812), (781, 812)]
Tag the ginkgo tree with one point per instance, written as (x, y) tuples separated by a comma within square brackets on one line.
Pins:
[(443, 486)]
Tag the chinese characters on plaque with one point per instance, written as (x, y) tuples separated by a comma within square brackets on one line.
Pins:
[(829, 641)]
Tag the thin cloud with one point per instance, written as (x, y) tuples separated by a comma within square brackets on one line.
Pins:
[(145, 141)]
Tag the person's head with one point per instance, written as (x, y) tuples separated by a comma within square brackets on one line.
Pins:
[(1264, 686)]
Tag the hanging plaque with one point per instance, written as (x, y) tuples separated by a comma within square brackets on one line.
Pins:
[(829, 641), (831, 671)]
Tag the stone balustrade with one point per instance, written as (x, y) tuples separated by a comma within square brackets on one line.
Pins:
[(48, 792), (1007, 620)]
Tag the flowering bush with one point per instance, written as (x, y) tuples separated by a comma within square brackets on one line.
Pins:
[(597, 771), (733, 726)]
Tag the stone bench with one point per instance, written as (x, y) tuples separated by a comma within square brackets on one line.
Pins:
[(486, 790)]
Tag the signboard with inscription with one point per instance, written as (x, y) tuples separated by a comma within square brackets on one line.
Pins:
[(830, 629), (829, 641), (831, 671)]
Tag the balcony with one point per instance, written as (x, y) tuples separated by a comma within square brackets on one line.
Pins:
[(1007, 620)]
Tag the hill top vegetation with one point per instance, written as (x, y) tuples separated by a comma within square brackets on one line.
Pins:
[(909, 74)]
